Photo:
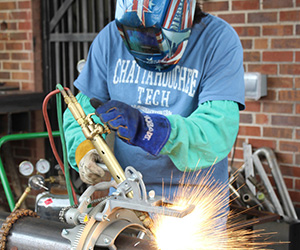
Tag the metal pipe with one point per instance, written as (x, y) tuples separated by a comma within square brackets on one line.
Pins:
[(3, 177), (282, 189), (36, 234), (39, 234), (265, 179)]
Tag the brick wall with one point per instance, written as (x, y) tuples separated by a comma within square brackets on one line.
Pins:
[(20, 66), (16, 44), (270, 33)]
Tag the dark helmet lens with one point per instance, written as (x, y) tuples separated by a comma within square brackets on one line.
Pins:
[(142, 40)]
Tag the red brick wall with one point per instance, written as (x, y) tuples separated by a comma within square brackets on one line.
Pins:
[(21, 66), (270, 33), (16, 45)]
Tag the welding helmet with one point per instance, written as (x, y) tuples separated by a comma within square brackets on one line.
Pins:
[(155, 32)]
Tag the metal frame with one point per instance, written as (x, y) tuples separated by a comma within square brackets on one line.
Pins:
[(69, 27)]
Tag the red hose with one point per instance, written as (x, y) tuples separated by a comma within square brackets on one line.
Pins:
[(51, 139)]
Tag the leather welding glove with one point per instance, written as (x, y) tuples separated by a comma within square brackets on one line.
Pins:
[(88, 159), (148, 131)]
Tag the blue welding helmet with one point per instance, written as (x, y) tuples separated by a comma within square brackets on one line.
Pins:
[(155, 32)]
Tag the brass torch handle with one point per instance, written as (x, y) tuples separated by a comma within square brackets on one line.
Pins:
[(76, 103), (88, 128), (93, 133), (109, 159)]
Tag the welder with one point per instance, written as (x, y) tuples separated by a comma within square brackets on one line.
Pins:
[(170, 80)]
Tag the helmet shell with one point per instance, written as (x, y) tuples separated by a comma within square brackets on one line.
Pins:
[(155, 32)]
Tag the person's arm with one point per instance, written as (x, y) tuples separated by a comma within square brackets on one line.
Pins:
[(200, 140), (205, 137)]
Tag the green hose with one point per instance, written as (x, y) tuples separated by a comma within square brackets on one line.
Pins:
[(63, 142)]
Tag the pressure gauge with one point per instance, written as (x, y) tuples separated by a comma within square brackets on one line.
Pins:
[(42, 166), (26, 168)]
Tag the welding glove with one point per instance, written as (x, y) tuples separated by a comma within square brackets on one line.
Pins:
[(88, 159), (148, 131)]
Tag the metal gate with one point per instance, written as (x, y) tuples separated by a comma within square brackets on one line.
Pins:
[(69, 27)]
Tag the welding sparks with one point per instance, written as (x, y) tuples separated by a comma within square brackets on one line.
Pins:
[(205, 227)]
